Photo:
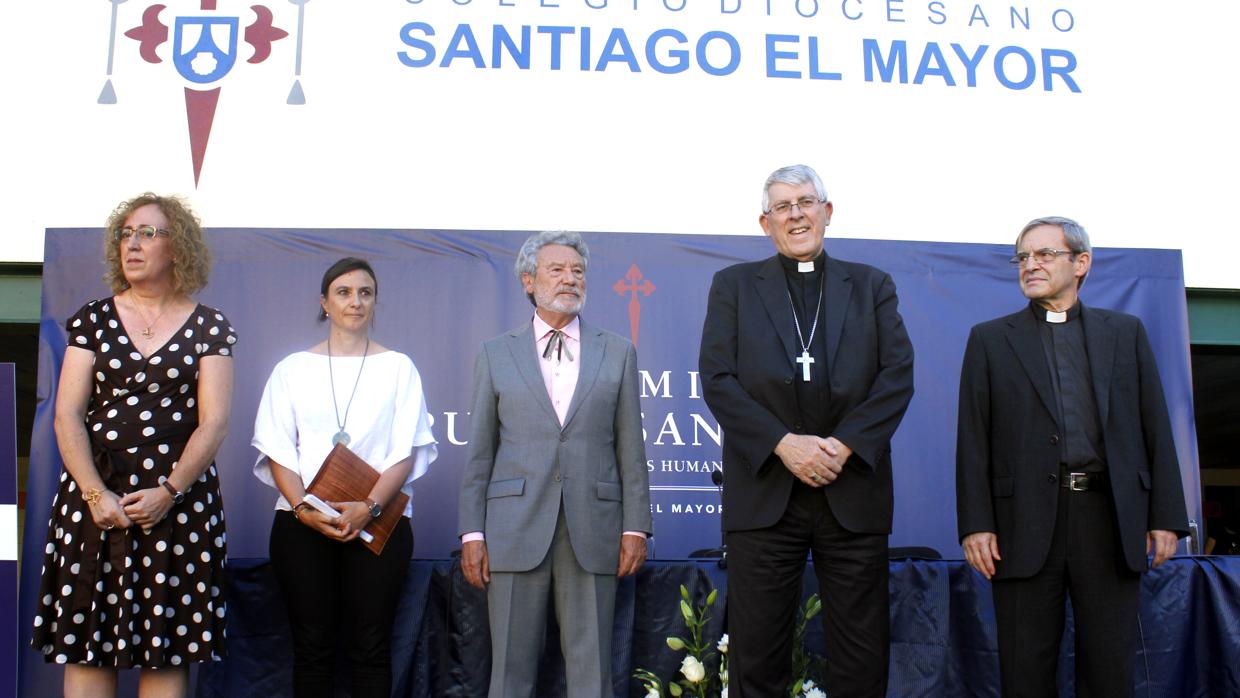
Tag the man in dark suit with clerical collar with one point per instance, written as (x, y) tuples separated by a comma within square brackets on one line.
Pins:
[(1066, 471), (806, 364)]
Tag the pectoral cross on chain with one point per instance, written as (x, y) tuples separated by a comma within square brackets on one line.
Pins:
[(805, 360)]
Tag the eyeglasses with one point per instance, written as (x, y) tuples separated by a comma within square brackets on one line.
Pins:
[(804, 203), (144, 232), (1046, 255)]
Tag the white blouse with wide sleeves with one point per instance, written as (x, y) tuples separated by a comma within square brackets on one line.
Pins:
[(387, 420)]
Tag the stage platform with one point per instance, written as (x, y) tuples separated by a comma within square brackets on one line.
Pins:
[(942, 631)]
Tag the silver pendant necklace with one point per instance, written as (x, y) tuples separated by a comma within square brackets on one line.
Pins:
[(805, 359), (342, 436)]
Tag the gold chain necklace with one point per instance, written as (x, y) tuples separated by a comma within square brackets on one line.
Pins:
[(148, 332)]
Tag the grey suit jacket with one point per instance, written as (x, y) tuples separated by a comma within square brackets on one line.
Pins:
[(521, 461)]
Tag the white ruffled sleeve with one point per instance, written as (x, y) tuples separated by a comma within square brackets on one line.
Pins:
[(275, 427), (411, 427)]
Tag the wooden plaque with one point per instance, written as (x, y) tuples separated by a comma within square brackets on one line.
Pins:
[(345, 477)]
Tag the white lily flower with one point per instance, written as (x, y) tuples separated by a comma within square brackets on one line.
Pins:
[(692, 669)]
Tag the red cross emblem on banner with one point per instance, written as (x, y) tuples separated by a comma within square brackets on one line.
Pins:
[(634, 284)]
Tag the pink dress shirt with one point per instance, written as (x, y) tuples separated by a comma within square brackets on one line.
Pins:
[(559, 375)]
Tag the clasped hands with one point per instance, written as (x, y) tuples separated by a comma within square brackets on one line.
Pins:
[(354, 516), (143, 508), (812, 459)]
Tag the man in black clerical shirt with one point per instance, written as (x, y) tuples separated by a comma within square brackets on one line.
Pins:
[(807, 366), (1066, 472)]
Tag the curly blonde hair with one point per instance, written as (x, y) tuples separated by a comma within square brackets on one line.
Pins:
[(191, 258)]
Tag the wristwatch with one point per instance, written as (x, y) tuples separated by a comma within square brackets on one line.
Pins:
[(375, 509), (177, 497)]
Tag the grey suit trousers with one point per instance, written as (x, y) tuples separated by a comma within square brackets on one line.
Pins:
[(584, 608)]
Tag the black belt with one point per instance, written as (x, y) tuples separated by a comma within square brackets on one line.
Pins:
[(1082, 482)]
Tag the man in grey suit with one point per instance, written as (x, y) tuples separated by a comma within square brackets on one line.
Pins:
[(555, 497)]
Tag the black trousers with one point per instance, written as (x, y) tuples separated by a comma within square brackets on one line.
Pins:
[(339, 592), (765, 567), (1086, 562)]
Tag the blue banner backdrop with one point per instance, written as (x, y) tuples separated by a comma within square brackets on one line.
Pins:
[(442, 292)]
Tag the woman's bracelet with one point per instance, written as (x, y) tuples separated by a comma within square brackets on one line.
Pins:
[(297, 509), (92, 496)]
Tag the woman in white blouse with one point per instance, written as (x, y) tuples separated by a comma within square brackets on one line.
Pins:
[(349, 389)]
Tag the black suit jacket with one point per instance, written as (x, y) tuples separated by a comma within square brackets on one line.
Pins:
[(1007, 452), (747, 368)]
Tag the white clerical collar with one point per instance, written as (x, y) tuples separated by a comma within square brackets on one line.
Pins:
[(1057, 318), (805, 267)]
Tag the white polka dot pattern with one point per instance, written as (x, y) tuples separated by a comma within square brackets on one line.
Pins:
[(140, 601)]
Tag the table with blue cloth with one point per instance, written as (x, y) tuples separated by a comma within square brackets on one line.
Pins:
[(942, 631)]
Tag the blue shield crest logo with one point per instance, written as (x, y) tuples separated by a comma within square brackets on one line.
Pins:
[(204, 61)]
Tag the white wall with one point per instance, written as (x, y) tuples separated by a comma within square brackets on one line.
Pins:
[(1143, 155)]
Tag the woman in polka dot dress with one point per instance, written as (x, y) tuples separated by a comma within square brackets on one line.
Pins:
[(134, 565)]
